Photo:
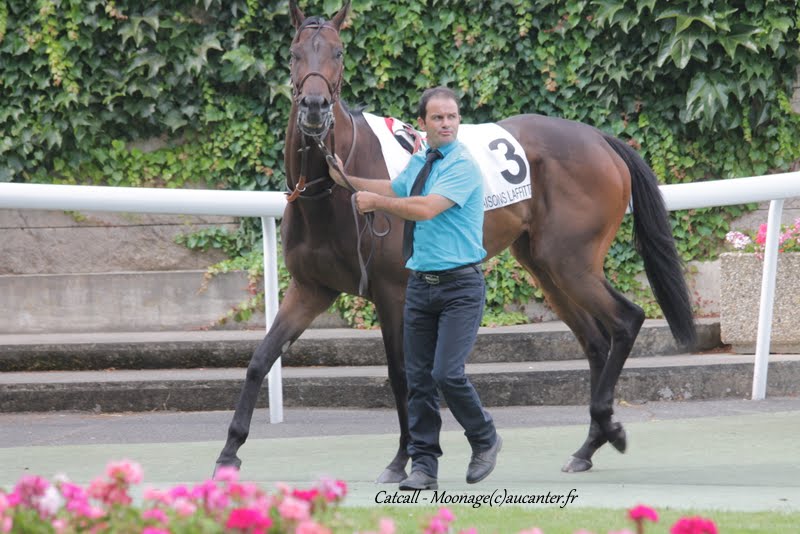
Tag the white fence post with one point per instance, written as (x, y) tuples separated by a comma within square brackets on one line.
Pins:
[(274, 379), (767, 300)]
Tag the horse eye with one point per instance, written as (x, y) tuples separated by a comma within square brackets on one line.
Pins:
[(339, 54)]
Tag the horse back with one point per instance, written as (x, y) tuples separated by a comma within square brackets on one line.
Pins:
[(575, 174)]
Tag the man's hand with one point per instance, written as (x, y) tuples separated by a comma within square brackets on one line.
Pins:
[(367, 202), (334, 164)]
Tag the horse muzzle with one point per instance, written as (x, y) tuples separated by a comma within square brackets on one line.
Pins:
[(315, 116)]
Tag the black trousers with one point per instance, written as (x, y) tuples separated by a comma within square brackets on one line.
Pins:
[(441, 324)]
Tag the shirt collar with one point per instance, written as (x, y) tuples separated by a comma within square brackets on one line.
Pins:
[(446, 149)]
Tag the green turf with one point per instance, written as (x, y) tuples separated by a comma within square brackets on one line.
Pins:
[(412, 519)]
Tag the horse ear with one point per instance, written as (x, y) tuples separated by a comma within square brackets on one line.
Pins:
[(340, 15), (297, 15)]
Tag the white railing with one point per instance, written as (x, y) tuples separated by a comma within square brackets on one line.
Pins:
[(269, 205), (775, 188)]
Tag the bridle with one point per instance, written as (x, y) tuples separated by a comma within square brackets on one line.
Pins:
[(334, 89), (319, 138)]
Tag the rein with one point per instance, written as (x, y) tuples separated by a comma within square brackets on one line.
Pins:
[(319, 140)]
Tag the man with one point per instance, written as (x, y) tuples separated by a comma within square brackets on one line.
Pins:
[(445, 293)]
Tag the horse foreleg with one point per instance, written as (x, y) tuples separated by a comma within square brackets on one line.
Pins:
[(390, 312), (299, 307)]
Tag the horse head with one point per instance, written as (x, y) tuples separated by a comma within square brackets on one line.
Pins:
[(317, 67)]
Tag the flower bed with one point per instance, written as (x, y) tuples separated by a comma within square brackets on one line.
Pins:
[(222, 505), (740, 291)]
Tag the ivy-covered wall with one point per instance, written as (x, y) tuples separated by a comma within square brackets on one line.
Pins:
[(701, 87)]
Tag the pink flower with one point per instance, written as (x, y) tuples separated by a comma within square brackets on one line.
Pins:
[(156, 495), (184, 507), (108, 492), (643, 512), (533, 530), (439, 523), (153, 530), (761, 236), (445, 515), (436, 526), (332, 490), (248, 518), (183, 491), (246, 491), (59, 525), (156, 514), (473, 530), (694, 525), (29, 489), (311, 527), (386, 526), (227, 473), (294, 509), (125, 472)]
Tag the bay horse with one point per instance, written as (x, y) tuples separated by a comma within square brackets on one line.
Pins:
[(582, 180)]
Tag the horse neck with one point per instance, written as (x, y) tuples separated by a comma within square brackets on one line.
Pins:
[(316, 165)]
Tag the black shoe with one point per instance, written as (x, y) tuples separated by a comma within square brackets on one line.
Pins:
[(418, 480), (482, 463)]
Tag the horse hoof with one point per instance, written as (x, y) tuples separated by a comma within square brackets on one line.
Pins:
[(576, 465), (620, 441), (235, 465), (390, 476)]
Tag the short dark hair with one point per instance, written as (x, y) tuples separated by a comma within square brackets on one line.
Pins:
[(435, 92)]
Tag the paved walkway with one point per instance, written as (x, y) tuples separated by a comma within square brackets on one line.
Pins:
[(740, 455)]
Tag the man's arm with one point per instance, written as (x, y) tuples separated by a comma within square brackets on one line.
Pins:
[(416, 208), (375, 195), (381, 187)]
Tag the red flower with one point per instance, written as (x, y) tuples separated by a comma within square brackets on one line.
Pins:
[(694, 525), (306, 495), (643, 512), (247, 518)]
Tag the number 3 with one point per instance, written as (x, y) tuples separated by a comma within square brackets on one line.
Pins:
[(510, 155)]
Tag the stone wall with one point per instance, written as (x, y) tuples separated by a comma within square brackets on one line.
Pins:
[(55, 242)]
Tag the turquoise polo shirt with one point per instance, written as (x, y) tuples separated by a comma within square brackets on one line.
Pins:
[(455, 236)]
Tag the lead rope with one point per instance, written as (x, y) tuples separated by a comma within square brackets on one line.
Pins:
[(363, 283)]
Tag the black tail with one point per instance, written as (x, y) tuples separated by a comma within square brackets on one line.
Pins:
[(655, 243)]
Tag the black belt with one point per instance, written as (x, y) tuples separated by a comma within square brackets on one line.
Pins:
[(437, 277)]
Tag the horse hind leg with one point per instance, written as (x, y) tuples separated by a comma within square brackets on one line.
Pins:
[(621, 319), (605, 323), (299, 307)]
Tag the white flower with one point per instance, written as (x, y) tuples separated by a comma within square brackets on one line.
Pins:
[(737, 239), (50, 502)]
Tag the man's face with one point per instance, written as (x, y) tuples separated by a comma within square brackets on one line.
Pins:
[(441, 121)]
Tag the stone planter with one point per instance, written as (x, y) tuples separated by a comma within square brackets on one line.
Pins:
[(740, 296)]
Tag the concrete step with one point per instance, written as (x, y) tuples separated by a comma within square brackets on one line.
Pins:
[(677, 377), (550, 341)]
